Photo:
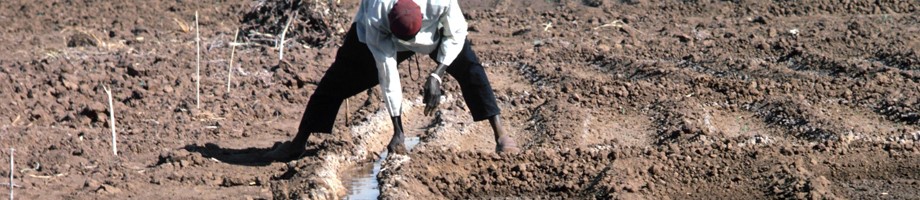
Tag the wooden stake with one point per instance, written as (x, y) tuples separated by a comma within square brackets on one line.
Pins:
[(197, 64), (230, 68), (284, 32), (12, 169), (112, 120)]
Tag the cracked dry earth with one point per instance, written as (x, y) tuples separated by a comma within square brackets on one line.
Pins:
[(608, 99)]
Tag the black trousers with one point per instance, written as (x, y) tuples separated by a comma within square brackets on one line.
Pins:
[(354, 70)]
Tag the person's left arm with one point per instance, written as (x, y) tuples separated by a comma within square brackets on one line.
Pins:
[(453, 36)]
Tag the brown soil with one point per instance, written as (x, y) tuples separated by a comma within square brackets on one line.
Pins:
[(608, 99)]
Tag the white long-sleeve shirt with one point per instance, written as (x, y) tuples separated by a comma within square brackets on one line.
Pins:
[(373, 29)]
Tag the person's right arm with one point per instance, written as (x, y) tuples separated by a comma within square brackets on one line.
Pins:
[(378, 39)]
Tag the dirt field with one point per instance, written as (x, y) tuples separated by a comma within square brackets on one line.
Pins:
[(626, 99)]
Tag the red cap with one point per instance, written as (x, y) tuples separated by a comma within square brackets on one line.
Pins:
[(405, 19)]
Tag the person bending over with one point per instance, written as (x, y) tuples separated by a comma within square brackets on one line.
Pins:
[(383, 34)]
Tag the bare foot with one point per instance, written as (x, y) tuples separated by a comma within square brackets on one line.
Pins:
[(507, 145), (396, 146), (283, 152)]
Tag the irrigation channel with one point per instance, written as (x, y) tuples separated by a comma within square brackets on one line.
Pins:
[(363, 179)]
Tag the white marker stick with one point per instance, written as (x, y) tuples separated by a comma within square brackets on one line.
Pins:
[(230, 68), (12, 169), (284, 32), (111, 119), (197, 64)]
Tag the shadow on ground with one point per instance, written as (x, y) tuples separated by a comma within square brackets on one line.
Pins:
[(251, 156)]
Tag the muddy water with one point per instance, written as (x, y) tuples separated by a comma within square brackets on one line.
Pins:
[(363, 181)]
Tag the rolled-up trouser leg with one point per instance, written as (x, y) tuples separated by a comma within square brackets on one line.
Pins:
[(474, 84)]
